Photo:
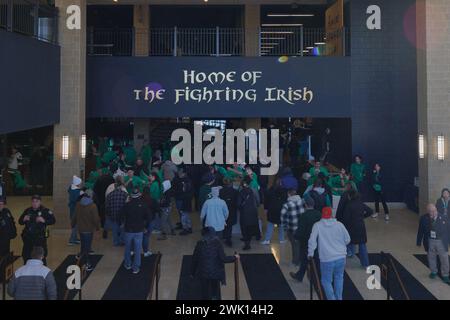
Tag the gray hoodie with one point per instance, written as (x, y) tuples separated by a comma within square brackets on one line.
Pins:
[(333, 240)]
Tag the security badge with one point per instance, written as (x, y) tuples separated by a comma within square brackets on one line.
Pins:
[(433, 234)]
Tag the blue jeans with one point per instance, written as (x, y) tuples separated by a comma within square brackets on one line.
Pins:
[(186, 221), (74, 232), (332, 273), (116, 230), (363, 254), (269, 232), (133, 242), (179, 205), (146, 236), (86, 245)]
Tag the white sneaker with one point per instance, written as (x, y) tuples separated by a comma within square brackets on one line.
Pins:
[(386, 217), (265, 242), (375, 215), (283, 241), (147, 254), (126, 267)]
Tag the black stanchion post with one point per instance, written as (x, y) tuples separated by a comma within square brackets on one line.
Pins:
[(236, 278), (311, 288)]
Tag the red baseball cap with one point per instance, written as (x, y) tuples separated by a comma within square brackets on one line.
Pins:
[(327, 213)]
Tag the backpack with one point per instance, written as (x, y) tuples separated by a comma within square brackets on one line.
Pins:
[(320, 200)]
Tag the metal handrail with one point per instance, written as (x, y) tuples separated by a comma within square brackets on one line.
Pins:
[(314, 281), (389, 267), (176, 41), (156, 275)]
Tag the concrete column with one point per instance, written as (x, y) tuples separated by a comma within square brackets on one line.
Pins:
[(141, 22), (141, 132), (433, 61), (252, 25), (72, 108)]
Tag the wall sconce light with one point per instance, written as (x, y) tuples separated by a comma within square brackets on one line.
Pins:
[(83, 146), (441, 147), (421, 146), (65, 148)]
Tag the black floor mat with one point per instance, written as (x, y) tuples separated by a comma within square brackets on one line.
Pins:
[(414, 288), (349, 292), (424, 259), (188, 288), (264, 278), (61, 275), (128, 286)]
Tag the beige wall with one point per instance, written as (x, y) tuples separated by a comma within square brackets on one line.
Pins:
[(141, 22), (433, 94), (252, 25), (72, 108)]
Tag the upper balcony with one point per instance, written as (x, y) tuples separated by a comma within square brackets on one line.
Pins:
[(30, 17), (218, 42)]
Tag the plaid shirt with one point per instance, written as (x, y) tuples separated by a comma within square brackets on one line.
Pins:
[(291, 212), (114, 203)]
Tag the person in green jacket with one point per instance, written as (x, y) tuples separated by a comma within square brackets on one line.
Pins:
[(130, 155), (254, 178), (358, 171), (146, 154), (338, 182), (131, 181), (156, 190), (109, 156), (315, 171)]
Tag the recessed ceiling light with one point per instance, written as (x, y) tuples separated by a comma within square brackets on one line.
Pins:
[(282, 24), (273, 38), (290, 15), (278, 32)]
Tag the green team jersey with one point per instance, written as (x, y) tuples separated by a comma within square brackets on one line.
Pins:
[(136, 181), (336, 185), (358, 171)]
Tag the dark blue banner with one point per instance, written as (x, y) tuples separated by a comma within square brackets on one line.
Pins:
[(138, 87), (29, 83)]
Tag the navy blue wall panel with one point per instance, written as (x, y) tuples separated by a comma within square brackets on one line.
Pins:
[(29, 83), (384, 93)]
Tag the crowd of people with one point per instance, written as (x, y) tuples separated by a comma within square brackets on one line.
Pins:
[(130, 195)]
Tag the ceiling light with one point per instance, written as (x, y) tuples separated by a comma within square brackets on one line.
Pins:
[(319, 43), (269, 44), (282, 24), (278, 32), (273, 38), (290, 15)]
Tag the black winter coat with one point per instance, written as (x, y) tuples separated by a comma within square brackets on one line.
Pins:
[(341, 206), (273, 202), (183, 189), (136, 215), (230, 196), (248, 208), (354, 214), (208, 261)]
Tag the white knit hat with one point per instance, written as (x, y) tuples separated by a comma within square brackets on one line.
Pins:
[(76, 181)]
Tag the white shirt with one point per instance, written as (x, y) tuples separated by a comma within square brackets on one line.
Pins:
[(15, 160)]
